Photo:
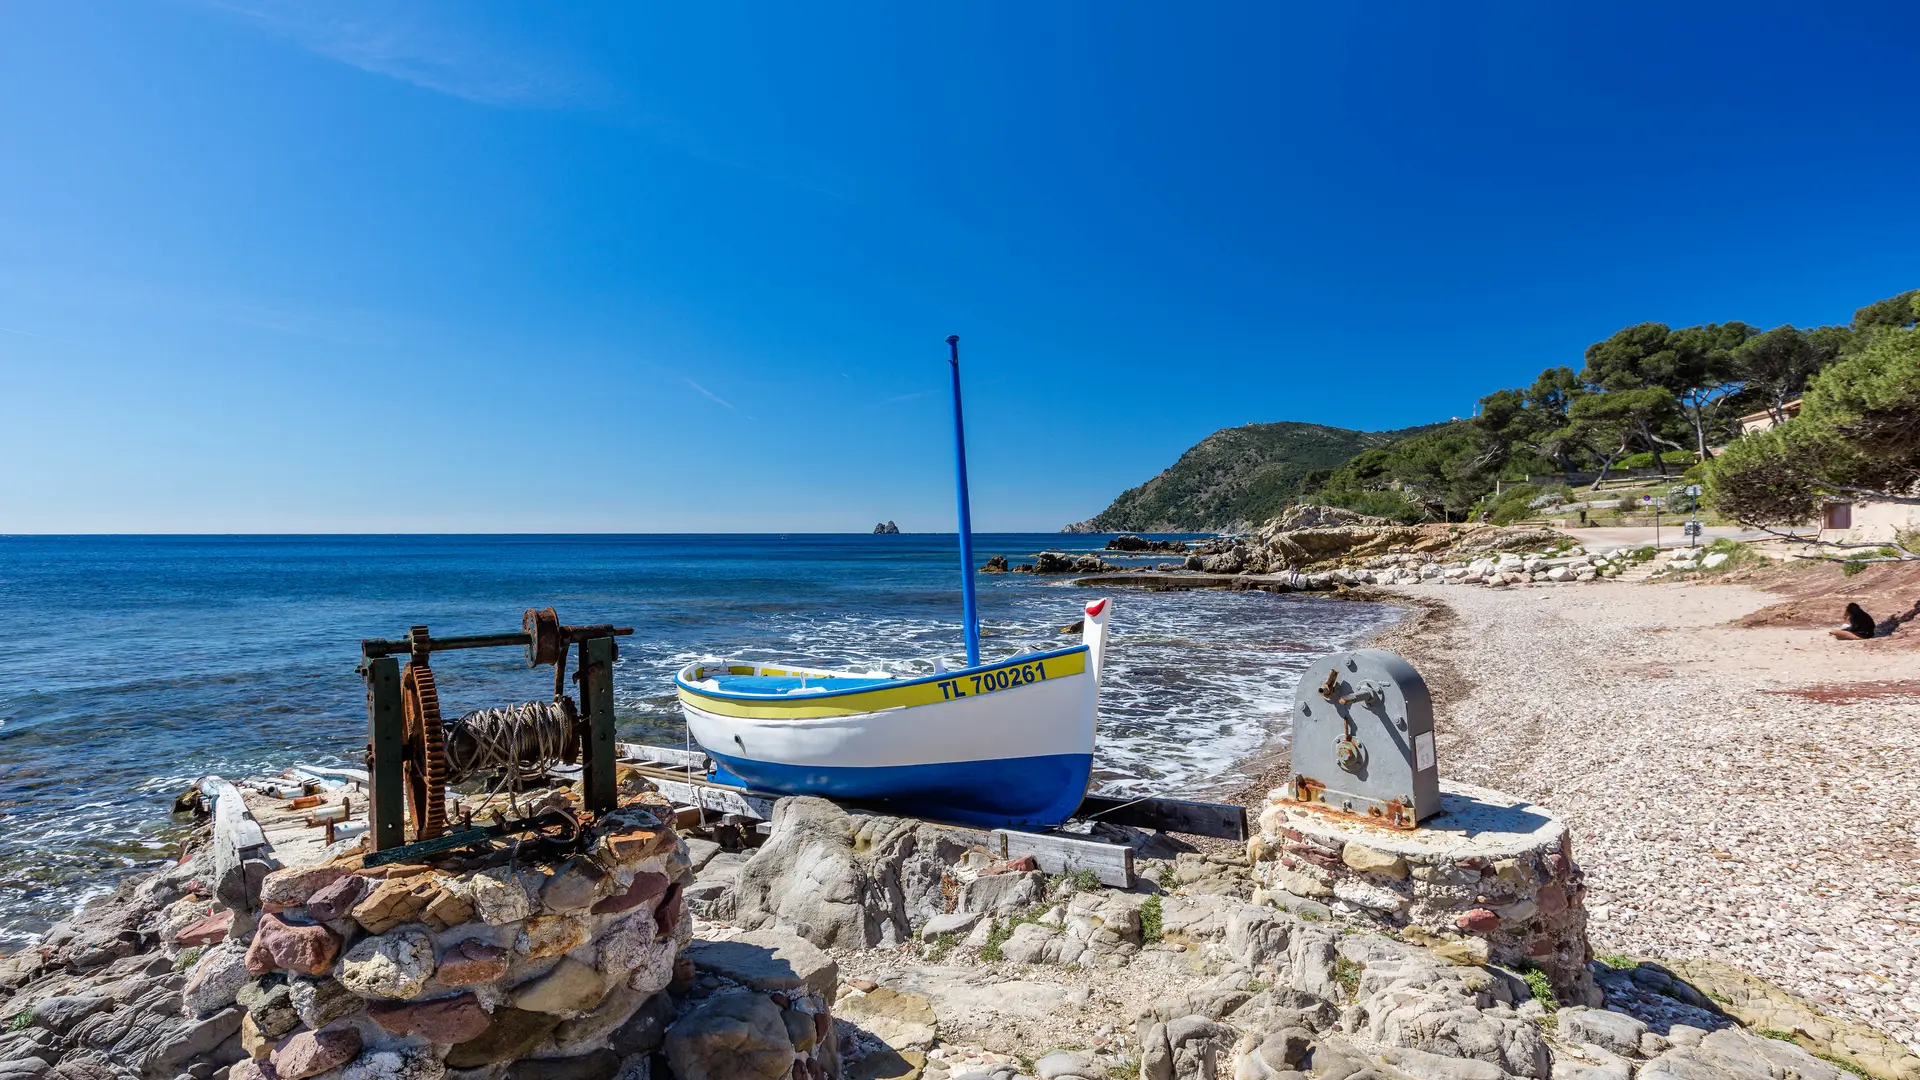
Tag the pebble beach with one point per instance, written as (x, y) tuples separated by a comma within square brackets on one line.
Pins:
[(1742, 794)]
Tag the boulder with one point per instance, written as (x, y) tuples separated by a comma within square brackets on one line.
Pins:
[(1002, 893), (514, 1033), (445, 1021), (282, 946), (293, 886), (392, 965), (839, 882), (217, 977), (336, 901), (768, 960), (472, 962), (1608, 1030), (550, 935), (269, 1005), (730, 1036), (320, 1002), (570, 989), (310, 1053)]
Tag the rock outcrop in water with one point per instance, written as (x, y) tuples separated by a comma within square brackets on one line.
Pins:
[(886, 528)]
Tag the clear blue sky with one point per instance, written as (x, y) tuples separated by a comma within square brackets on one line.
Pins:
[(291, 266)]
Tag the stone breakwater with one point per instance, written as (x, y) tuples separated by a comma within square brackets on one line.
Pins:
[(482, 968)]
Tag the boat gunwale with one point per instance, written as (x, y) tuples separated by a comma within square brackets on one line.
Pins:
[(680, 681)]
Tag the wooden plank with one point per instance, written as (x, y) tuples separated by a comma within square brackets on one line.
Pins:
[(712, 798), (1056, 854), (356, 777), (1222, 820), (233, 825), (664, 755)]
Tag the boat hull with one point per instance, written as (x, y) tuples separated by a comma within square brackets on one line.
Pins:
[(1001, 745)]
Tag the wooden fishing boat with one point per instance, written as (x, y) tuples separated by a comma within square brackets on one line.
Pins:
[(1007, 744)]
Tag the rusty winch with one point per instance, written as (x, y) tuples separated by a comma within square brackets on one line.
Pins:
[(411, 748), (1363, 739)]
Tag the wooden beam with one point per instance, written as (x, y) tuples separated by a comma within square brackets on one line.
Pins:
[(713, 798), (241, 854), (1222, 820), (1057, 854), (664, 755)]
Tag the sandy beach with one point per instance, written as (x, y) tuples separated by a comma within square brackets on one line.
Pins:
[(1746, 794)]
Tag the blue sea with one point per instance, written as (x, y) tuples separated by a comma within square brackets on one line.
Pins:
[(129, 666)]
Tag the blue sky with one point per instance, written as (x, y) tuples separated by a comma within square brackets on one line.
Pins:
[(283, 266)]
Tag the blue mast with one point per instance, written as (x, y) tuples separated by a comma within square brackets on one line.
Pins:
[(966, 516)]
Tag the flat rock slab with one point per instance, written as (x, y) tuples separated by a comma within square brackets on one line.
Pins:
[(768, 960), (972, 999), (1472, 821), (902, 1020)]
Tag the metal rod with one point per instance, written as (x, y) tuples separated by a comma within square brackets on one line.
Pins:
[(966, 516), (372, 647)]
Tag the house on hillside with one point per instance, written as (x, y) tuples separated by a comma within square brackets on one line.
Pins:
[(1866, 521), (1858, 521), (1765, 419)]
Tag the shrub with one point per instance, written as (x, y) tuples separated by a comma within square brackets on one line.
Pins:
[(19, 1021), (1851, 567), (187, 958), (1542, 990), (1151, 924), (1644, 459), (939, 948), (1083, 880)]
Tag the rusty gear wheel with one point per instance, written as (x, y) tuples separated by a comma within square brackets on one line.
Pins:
[(426, 750)]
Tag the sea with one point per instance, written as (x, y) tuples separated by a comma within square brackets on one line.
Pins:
[(132, 665)]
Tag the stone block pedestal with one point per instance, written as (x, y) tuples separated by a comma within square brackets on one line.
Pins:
[(1491, 878)]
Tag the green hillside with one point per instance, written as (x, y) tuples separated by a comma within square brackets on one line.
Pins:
[(1235, 478)]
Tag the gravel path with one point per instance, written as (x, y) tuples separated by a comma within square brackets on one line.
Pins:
[(1774, 831)]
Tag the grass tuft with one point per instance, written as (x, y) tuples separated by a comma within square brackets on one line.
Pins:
[(1347, 974), (19, 1021), (1542, 990), (1843, 1063), (939, 947), (1775, 1033), (187, 958), (1619, 961)]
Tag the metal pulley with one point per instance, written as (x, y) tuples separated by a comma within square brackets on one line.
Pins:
[(1363, 739), (545, 644)]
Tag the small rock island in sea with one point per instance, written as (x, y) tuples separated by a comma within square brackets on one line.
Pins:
[(886, 528)]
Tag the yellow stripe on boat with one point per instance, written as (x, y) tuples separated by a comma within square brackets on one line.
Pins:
[(987, 680)]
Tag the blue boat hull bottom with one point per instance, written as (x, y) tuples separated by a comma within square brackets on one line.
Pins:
[(1011, 793)]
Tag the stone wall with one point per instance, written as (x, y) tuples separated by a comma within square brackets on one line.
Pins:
[(1490, 878), (482, 967)]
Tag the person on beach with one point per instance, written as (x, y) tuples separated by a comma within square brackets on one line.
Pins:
[(1859, 625)]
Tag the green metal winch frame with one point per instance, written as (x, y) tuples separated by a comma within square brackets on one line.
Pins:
[(546, 641)]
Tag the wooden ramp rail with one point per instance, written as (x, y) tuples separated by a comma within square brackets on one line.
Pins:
[(681, 776)]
